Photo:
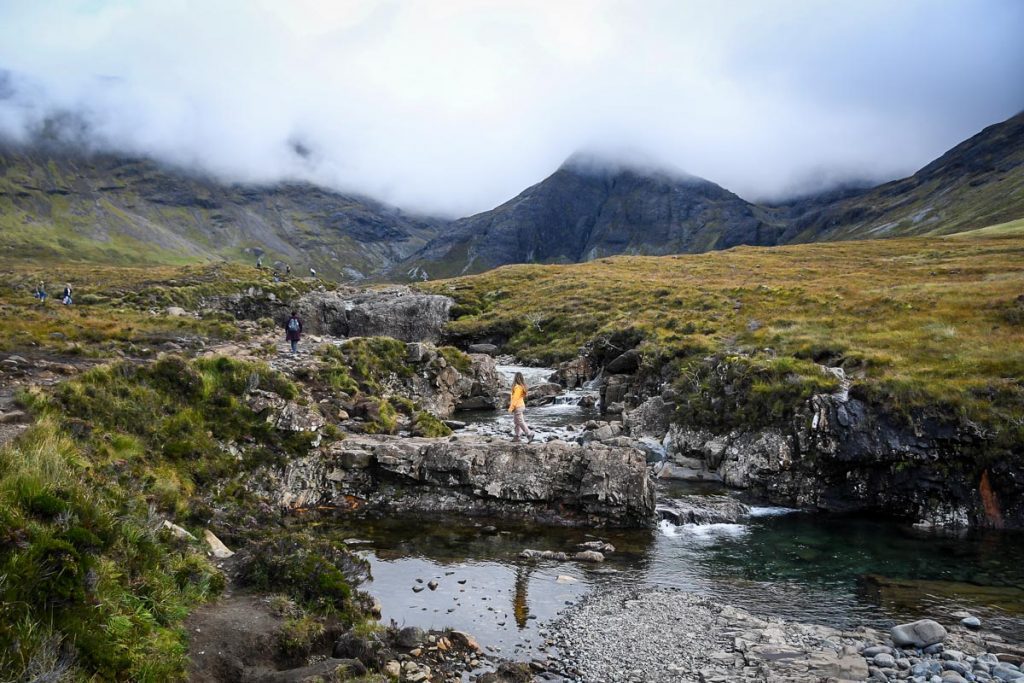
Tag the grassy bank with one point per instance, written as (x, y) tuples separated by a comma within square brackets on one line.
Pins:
[(123, 308), (91, 584), (932, 324)]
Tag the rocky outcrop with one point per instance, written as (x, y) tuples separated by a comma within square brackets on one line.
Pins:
[(442, 389), (555, 481), (397, 312), (838, 453), (703, 510)]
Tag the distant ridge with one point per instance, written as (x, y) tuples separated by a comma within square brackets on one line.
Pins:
[(59, 203)]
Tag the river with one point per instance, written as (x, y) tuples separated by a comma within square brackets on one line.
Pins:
[(836, 570)]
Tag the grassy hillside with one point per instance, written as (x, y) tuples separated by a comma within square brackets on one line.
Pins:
[(59, 206), (977, 183), (930, 323), (122, 308)]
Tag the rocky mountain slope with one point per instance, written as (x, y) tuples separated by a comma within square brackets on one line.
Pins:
[(65, 205), (977, 183), (112, 209), (590, 208)]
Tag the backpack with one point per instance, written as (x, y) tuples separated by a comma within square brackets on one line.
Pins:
[(293, 325)]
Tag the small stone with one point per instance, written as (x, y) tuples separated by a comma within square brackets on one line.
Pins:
[(973, 623), (884, 660), (432, 585), (393, 669)]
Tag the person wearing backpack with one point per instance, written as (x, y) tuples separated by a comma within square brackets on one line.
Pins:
[(66, 297), (293, 331)]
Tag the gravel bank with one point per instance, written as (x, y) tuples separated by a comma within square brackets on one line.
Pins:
[(634, 636)]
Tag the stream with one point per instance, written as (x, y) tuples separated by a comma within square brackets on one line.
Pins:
[(842, 571)]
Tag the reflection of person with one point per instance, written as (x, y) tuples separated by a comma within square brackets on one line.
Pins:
[(520, 608), (517, 406)]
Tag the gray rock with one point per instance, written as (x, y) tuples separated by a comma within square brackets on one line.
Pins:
[(398, 312), (884, 660), (958, 667), (553, 481), (920, 634), (489, 349), (702, 510), (973, 623), (625, 363), (410, 637)]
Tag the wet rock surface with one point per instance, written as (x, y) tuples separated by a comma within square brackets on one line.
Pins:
[(702, 510)]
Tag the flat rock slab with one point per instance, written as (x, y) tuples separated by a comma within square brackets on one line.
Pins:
[(560, 481)]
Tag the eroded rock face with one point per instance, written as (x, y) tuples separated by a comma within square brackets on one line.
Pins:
[(555, 481), (397, 312), (838, 454)]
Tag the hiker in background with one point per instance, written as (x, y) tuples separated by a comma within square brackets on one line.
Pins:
[(517, 406), (259, 262), (41, 293), (277, 276), (66, 296), (312, 273), (293, 331), (287, 270)]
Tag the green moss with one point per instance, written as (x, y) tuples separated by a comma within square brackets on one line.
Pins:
[(427, 424), (457, 359)]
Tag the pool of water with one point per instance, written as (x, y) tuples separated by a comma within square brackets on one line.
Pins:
[(843, 571), (836, 570)]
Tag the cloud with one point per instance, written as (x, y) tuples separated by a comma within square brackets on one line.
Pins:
[(453, 107)]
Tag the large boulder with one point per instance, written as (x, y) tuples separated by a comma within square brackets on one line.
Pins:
[(572, 374), (918, 634), (397, 312)]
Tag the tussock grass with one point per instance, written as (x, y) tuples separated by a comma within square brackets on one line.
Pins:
[(85, 569), (928, 324)]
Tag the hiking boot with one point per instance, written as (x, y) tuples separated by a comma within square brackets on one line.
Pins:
[(531, 437)]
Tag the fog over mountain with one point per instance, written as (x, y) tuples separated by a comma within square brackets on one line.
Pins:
[(451, 108)]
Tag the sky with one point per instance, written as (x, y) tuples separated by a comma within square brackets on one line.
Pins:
[(451, 107)]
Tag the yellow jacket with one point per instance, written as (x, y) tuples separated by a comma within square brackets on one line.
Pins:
[(518, 398)]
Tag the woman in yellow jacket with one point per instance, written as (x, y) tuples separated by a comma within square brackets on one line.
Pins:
[(517, 406)]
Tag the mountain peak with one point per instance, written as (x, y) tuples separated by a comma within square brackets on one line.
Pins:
[(604, 164)]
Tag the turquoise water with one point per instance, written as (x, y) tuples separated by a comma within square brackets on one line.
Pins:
[(808, 567)]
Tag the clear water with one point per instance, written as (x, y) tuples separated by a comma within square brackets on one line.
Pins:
[(837, 570)]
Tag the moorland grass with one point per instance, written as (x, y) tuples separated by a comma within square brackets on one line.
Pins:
[(928, 324), (89, 583), (123, 308)]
